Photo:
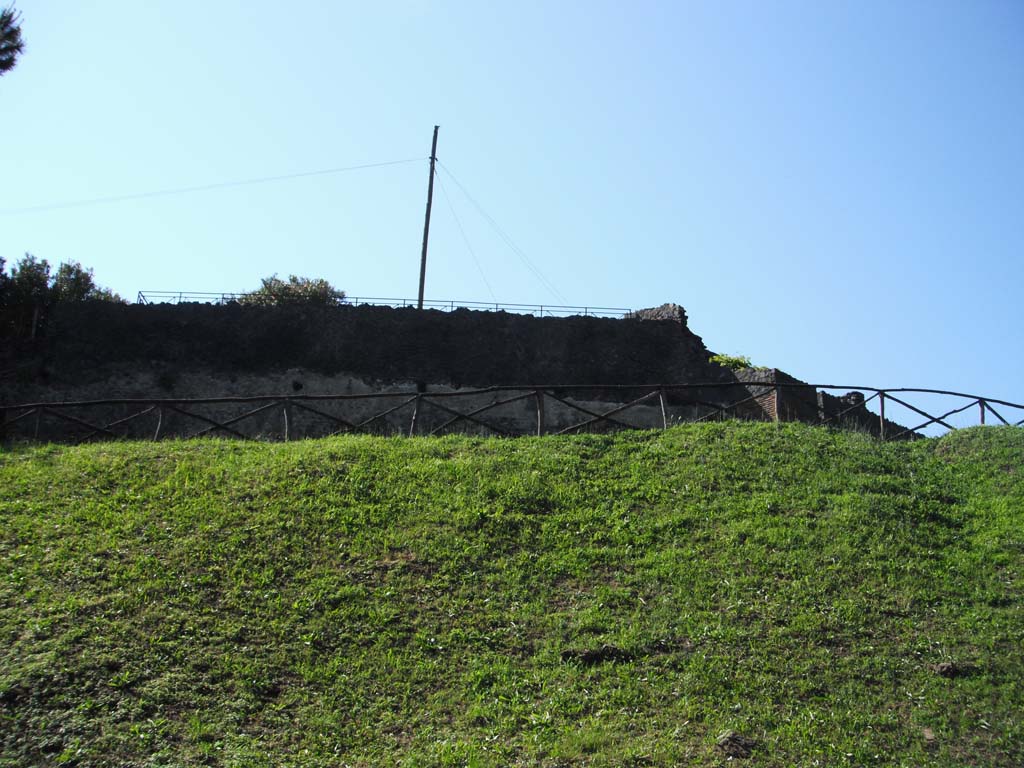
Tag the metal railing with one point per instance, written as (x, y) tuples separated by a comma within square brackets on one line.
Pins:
[(186, 297), (504, 411), (444, 305)]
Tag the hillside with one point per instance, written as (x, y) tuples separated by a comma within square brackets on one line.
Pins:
[(595, 600)]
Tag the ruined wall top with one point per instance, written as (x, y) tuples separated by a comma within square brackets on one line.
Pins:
[(668, 311)]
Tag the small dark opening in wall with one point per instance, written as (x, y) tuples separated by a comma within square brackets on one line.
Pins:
[(296, 385)]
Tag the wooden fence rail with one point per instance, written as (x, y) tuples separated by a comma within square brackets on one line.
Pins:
[(484, 411)]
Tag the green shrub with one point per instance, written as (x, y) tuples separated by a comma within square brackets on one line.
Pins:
[(295, 290), (735, 362)]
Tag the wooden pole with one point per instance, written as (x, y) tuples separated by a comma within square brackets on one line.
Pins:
[(995, 413), (540, 412), (981, 405), (415, 415), (881, 415), (426, 220)]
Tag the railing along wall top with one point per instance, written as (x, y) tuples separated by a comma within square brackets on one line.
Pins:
[(443, 305)]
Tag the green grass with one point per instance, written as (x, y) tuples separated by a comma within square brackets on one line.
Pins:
[(598, 600)]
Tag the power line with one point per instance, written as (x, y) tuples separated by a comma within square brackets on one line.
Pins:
[(465, 239), (508, 241), (199, 188)]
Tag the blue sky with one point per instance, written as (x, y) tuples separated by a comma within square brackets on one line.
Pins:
[(834, 189)]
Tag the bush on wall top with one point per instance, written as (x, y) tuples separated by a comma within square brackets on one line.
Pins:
[(295, 290), (735, 362)]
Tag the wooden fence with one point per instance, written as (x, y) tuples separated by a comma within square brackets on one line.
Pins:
[(504, 411)]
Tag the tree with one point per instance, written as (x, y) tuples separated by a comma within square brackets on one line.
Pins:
[(30, 282), (296, 290), (11, 44), (30, 291), (73, 282), (5, 283), (27, 296)]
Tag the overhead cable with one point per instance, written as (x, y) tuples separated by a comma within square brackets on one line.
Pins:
[(465, 239), (507, 240), (198, 188)]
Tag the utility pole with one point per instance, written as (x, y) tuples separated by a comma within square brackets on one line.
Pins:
[(426, 221)]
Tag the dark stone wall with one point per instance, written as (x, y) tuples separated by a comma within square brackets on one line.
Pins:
[(98, 350), (84, 342)]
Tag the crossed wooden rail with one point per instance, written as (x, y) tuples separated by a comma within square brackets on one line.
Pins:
[(756, 400)]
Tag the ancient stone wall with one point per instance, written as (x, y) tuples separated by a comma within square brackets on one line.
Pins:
[(195, 350), (102, 351)]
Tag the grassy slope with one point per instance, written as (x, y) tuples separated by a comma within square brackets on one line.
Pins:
[(558, 601)]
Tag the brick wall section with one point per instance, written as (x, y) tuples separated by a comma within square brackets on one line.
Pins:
[(800, 402)]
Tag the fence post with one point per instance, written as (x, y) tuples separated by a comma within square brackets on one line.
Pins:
[(3, 424), (159, 422), (415, 414), (981, 405), (881, 415), (286, 415), (664, 415), (539, 396), (778, 402)]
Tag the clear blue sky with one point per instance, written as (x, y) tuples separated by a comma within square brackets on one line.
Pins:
[(834, 189)]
